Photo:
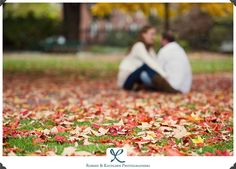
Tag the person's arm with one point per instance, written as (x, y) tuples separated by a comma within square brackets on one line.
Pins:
[(143, 55)]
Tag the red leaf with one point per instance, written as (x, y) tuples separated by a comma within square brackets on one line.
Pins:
[(173, 152), (60, 139), (61, 129), (24, 112), (95, 126), (209, 154), (38, 140), (113, 131), (222, 153)]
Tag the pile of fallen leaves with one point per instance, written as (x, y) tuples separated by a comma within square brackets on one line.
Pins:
[(78, 116)]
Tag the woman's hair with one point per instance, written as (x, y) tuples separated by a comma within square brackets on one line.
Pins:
[(140, 37)]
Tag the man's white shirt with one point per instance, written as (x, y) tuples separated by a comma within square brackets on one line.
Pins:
[(173, 60)]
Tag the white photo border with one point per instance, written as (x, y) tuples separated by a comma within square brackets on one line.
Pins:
[(60, 162)]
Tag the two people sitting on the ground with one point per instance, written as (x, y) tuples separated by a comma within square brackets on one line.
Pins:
[(167, 71)]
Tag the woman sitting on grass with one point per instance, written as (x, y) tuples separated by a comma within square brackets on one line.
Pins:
[(140, 68)]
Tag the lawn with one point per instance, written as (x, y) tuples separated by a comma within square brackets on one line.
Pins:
[(90, 65), (56, 105)]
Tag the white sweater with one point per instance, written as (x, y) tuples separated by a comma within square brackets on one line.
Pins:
[(174, 62), (135, 59)]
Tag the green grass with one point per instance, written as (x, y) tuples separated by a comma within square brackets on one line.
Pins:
[(82, 123), (212, 65), (58, 147), (223, 146), (94, 148), (105, 49), (23, 143), (97, 66), (60, 66), (26, 146), (28, 124)]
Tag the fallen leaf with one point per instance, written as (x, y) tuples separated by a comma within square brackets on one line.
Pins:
[(198, 140), (60, 139), (180, 132), (69, 151), (145, 126)]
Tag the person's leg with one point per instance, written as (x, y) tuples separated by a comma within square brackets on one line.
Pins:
[(146, 80), (135, 77), (162, 85), (157, 82), (149, 71), (147, 77)]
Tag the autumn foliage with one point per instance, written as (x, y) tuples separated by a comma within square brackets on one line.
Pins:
[(75, 116)]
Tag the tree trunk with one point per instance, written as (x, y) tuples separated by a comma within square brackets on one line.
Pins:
[(167, 17), (71, 15)]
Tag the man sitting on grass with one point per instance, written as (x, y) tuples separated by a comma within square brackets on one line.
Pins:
[(173, 60)]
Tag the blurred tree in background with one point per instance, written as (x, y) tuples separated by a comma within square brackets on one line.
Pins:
[(165, 11), (49, 10), (26, 25), (198, 26), (71, 12)]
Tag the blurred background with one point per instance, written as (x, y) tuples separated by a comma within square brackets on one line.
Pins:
[(74, 27), (35, 33)]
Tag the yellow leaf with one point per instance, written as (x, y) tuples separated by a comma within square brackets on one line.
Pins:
[(198, 140), (39, 129)]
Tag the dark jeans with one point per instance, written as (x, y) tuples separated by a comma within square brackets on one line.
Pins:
[(135, 77), (158, 82)]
